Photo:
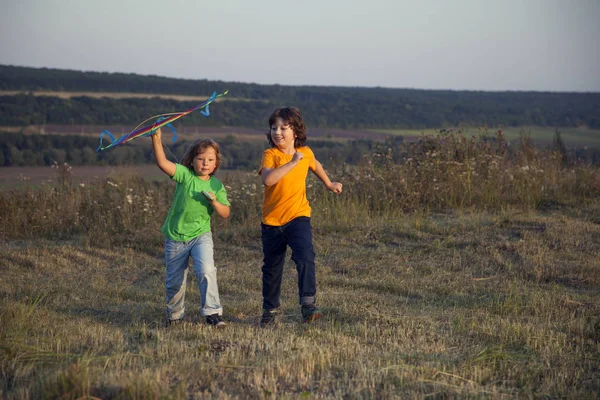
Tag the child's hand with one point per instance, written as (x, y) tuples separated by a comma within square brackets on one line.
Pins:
[(335, 187), (157, 134), (210, 196), (297, 156)]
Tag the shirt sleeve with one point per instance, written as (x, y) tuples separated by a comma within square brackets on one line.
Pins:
[(268, 161), (181, 173), (221, 196), (312, 161)]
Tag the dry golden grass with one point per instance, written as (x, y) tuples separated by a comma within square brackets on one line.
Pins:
[(468, 305), (479, 300)]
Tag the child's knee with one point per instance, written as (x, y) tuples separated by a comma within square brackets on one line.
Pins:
[(205, 268), (304, 255)]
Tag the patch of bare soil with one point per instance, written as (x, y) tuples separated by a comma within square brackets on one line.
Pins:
[(12, 177)]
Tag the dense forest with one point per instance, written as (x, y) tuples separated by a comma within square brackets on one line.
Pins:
[(250, 104)]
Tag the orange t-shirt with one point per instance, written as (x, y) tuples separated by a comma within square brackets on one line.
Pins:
[(286, 199)]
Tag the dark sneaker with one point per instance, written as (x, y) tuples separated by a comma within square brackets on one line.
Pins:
[(216, 320), (310, 313), (268, 318)]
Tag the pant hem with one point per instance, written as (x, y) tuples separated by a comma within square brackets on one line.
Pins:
[(212, 311), (308, 300)]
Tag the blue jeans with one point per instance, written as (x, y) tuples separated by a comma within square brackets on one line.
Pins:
[(200, 249), (298, 235)]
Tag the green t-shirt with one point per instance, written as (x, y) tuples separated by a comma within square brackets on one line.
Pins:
[(189, 216)]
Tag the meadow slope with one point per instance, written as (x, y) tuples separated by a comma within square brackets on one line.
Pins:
[(455, 271)]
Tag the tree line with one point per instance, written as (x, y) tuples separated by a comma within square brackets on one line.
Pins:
[(17, 149), (322, 106)]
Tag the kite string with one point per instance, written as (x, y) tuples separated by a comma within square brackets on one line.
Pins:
[(174, 156)]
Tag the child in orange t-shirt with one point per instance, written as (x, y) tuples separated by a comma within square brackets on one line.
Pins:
[(286, 212)]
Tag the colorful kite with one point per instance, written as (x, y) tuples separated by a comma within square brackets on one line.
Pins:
[(160, 122)]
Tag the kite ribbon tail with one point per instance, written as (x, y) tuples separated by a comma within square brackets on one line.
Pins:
[(170, 126), (206, 112), (210, 100), (110, 135)]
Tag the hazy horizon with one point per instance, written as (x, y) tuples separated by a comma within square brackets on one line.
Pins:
[(537, 45), (334, 86)]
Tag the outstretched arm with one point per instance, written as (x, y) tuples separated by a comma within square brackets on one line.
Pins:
[(334, 187), (271, 176), (165, 165)]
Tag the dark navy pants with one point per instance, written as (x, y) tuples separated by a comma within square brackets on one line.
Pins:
[(298, 235)]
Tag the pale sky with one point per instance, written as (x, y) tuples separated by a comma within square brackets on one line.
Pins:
[(542, 45)]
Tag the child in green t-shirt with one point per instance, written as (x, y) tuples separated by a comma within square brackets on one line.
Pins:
[(187, 228)]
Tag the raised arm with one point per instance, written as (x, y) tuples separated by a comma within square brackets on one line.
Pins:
[(271, 176), (165, 165), (334, 187)]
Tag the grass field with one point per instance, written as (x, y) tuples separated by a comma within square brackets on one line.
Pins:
[(542, 136), (459, 272)]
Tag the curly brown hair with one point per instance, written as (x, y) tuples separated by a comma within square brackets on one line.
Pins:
[(293, 117), (198, 147)]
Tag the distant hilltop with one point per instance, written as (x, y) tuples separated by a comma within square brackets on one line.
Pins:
[(36, 96)]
